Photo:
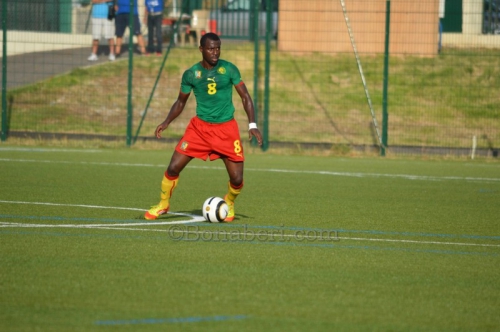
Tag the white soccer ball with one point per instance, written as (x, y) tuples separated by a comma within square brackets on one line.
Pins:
[(215, 209)]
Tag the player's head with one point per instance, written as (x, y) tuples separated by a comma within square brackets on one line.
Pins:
[(210, 49), (208, 36)]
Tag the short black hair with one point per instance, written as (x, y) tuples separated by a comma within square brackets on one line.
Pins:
[(211, 36)]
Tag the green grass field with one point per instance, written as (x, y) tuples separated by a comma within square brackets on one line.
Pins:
[(318, 244)]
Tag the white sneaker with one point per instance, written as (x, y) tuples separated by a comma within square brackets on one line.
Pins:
[(93, 57), (112, 57)]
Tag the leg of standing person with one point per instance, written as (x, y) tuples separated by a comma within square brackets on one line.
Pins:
[(96, 34), (138, 34), (168, 184), (111, 43), (140, 42), (159, 35), (121, 23), (235, 184), (118, 47), (95, 46), (150, 48), (110, 36)]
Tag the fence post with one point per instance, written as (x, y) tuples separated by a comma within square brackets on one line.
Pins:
[(4, 71), (130, 72), (385, 114), (269, 32), (256, 9)]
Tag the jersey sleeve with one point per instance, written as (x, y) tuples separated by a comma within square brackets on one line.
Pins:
[(235, 75), (187, 82)]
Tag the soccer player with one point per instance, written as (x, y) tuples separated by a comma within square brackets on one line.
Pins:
[(213, 133)]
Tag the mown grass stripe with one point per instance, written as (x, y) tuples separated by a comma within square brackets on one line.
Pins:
[(274, 243), (170, 320), (275, 170)]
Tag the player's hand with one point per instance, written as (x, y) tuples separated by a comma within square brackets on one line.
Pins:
[(161, 127), (255, 133)]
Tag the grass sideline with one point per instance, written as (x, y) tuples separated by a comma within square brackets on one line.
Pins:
[(315, 98), (412, 244)]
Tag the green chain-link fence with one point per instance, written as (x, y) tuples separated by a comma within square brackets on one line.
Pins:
[(434, 66)]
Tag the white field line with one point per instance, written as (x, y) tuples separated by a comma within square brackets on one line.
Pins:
[(305, 238), (193, 218), (158, 223), (235, 234), (347, 174), (73, 205), (21, 149), (421, 242)]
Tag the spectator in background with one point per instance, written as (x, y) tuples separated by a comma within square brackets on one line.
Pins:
[(102, 27), (122, 22), (154, 16)]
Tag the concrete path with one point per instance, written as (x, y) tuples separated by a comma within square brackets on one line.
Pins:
[(24, 69)]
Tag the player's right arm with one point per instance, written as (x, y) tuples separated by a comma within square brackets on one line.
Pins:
[(175, 111)]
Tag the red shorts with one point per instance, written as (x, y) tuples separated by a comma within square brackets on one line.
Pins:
[(211, 140)]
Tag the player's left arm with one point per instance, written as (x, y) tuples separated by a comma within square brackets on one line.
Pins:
[(249, 110)]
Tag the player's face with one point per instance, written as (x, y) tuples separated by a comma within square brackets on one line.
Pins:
[(211, 52)]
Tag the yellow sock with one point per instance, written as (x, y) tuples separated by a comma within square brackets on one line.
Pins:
[(233, 192), (168, 185)]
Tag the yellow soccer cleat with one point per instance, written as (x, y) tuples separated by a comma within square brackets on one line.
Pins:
[(155, 212), (230, 214)]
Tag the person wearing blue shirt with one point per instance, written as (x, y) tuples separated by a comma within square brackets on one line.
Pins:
[(122, 21), (102, 27), (154, 14)]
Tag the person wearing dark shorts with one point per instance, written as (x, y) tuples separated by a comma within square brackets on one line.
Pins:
[(154, 16), (122, 22), (213, 133)]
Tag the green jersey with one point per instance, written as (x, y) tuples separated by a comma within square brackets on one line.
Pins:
[(213, 89)]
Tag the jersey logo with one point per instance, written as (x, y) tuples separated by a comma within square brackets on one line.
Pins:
[(184, 145), (221, 70), (211, 79), (197, 74)]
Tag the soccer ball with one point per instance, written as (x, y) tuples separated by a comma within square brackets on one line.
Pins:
[(215, 209)]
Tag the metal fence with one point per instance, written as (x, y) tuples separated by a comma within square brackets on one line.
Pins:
[(321, 76), (38, 15)]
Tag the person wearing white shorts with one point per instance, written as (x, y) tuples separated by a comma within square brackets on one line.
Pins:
[(102, 27)]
